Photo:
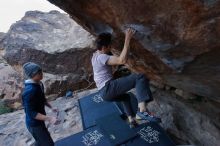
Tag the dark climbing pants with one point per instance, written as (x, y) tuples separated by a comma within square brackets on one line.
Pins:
[(41, 135), (114, 90)]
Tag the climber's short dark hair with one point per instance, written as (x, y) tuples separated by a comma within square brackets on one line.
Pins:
[(103, 40)]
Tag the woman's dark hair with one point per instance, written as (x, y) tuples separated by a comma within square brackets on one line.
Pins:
[(103, 40)]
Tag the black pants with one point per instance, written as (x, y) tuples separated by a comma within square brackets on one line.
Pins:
[(41, 135), (115, 90)]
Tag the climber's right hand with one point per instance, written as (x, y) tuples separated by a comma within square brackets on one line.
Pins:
[(129, 33)]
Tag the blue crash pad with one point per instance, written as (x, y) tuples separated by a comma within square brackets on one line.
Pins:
[(116, 129), (89, 137), (104, 127), (92, 107), (150, 134)]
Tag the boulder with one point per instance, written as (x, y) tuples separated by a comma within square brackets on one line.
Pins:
[(57, 43), (2, 35), (176, 45), (188, 121), (176, 41), (10, 82)]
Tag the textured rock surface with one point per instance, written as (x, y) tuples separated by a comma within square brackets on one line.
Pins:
[(192, 121), (2, 35), (57, 43), (14, 133), (177, 42), (51, 32), (10, 82)]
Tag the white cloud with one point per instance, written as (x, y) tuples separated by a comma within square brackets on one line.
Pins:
[(13, 10)]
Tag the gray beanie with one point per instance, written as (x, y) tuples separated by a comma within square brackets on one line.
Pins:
[(31, 69)]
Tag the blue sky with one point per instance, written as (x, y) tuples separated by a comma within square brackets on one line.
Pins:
[(13, 10)]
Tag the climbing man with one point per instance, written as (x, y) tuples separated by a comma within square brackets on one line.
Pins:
[(34, 102), (112, 89)]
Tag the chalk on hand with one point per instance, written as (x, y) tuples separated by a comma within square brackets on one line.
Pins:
[(140, 31)]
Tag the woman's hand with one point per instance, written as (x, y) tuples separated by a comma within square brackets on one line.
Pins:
[(129, 33)]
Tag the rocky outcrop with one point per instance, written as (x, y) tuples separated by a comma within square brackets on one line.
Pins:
[(51, 32), (2, 35), (188, 121), (177, 42), (176, 45), (57, 43), (10, 82)]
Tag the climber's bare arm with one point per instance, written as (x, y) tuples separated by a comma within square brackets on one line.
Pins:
[(122, 59)]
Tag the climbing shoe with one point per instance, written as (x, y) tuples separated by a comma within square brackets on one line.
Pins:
[(147, 116)]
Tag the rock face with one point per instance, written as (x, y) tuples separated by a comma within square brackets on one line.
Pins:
[(177, 42), (57, 43), (2, 35), (51, 32), (176, 45), (193, 121), (10, 82)]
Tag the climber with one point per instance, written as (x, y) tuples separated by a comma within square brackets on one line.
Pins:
[(111, 89), (34, 102)]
